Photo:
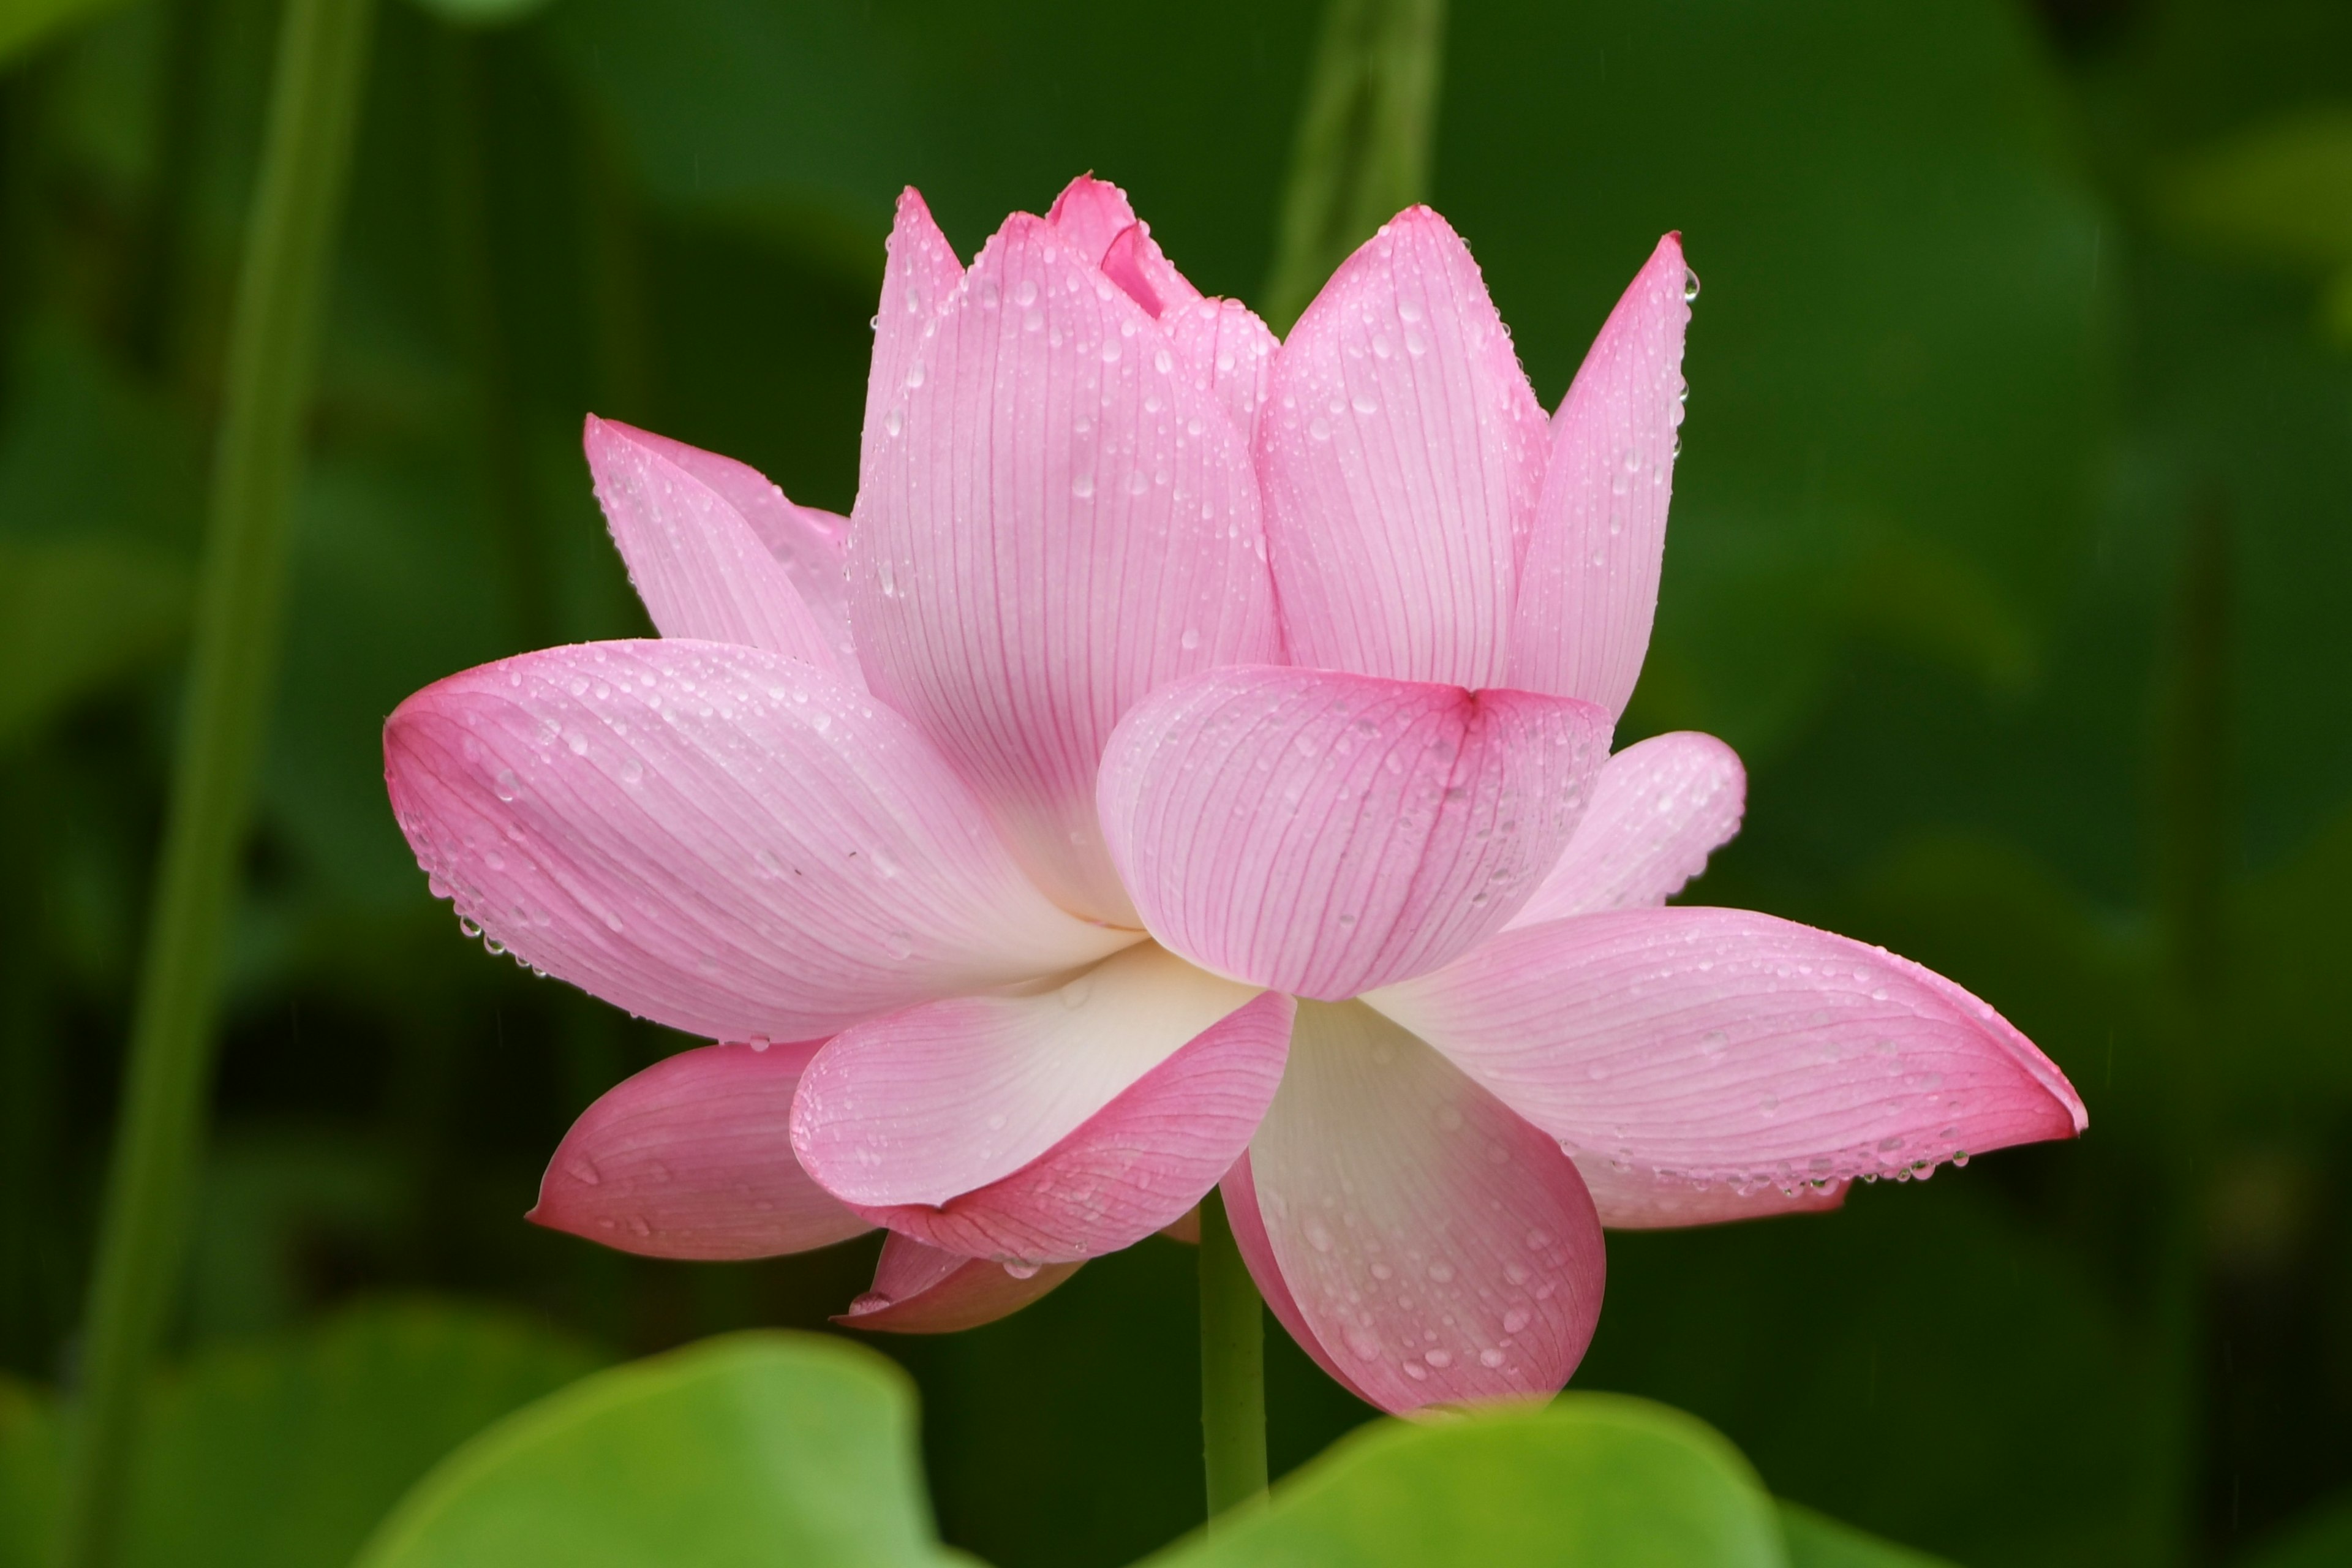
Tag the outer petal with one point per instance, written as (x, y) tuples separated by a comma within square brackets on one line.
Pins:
[(919, 278), (1645, 1200), (1401, 455), (923, 1289), (719, 838), (1047, 1127), (1426, 1245), (1588, 585), (1063, 522), (1323, 833), (1731, 1048), (697, 562), (1659, 809), (1094, 216), (692, 1158), (1230, 353)]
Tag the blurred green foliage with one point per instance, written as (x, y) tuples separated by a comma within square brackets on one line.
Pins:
[(2010, 547)]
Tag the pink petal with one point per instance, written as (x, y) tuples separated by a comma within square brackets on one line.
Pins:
[(1323, 833), (1643, 1200), (1401, 456), (1588, 583), (1660, 808), (919, 277), (1729, 1047), (699, 564), (1093, 214), (1064, 520), (1228, 346), (922, 1289), (693, 1158), (1047, 1127), (1425, 1244), (721, 839)]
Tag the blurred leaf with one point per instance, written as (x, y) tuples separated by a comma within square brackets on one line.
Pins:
[(2290, 930), (283, 1454), (1593, 1477), (25, 23), (30, 1456), (77, 616), (485, 13), (1817, 1540), (2279, 191), (2321, 1538), (1924, 594), (754, 1448)]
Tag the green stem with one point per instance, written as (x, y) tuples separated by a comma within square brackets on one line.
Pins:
[(1364, 139), (321, 53), (1232, 1367)]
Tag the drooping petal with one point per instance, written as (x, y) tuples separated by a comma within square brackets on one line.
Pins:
[(919, 275), (716, 838), (1401, 453), (1659, 809), (1645, 1200), (1429, 1246), (697, 562), (1095, 217), (1324, 832), (1732, 1048), (693, 1158), (1064, 520), (1047, 1127), (1588, 582), (922, 1289), (1229, 349)]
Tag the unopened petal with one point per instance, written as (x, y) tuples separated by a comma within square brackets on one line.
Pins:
[(721, 839), (1659, 809), (919, 274), (700, 566), (1429, 1246), (1588, 585), (1062, 520), (1095, 217), (1400, 451), (1733, 1050), (693, 1158), (1324, 832)]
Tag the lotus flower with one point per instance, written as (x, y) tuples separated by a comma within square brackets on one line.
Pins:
[(1188, 764)]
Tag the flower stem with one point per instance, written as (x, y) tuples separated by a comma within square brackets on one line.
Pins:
[(1232, 1367), (1364, 138), (320, 72)]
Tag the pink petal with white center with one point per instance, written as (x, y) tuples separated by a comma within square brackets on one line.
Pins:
[(919, 275), (1064, 520), (693, 1158), (1047, 1127), (1429, 1246), (697, 563), (1660, 808), (1095, 217), (1323, 833), (719, 838), (1732, 1048), (1589, 581), (1401, 453), (1642, 1200), (1230, 353), (922, 1289)]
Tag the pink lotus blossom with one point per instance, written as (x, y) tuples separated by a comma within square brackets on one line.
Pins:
[(1190, 764)]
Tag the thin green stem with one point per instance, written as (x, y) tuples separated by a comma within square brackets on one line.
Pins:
[(1365, 134), (1232, 1367), (321, 54)]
